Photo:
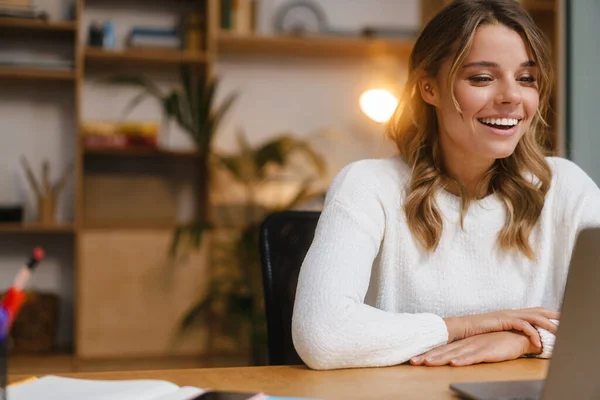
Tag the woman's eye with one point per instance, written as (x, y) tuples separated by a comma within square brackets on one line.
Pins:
[(480, 79), (527, 79)]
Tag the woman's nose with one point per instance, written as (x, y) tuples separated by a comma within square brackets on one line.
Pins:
[(509, 93)]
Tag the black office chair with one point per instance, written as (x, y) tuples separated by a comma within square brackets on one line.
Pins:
[(284, 241)]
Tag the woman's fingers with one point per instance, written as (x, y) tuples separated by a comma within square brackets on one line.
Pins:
[(550, 314), (439, 353), (543, 322), (468, 358), (445, 358), (528, 329)]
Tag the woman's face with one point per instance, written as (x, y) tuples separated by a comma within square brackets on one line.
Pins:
[(497, 92)]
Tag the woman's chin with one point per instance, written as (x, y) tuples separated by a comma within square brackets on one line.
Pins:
[(499, 152)]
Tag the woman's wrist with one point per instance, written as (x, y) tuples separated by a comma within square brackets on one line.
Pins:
[(454, 330)]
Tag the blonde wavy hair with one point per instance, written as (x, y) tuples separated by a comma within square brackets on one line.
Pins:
[(414, 126)]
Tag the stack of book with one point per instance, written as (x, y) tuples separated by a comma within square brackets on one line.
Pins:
[(20, 9), (162, 38), (119, 135), (34, 59)]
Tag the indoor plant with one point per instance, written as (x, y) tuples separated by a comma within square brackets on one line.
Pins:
[(191, 105), (235, 294)]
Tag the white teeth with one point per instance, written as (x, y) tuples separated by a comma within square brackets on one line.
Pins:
[(500, 121)]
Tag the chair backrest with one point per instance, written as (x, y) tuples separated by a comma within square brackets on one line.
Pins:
[(285, 238)]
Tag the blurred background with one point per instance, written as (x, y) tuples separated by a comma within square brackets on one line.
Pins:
[(143, 142)]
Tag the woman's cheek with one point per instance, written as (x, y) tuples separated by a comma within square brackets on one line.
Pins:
[(472, 99), (532, 102)]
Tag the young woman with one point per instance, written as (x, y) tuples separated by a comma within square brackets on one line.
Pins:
[(456, 251)]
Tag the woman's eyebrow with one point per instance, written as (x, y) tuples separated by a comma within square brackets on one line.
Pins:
[(491, 64)]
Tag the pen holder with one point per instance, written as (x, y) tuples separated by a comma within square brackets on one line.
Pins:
[(47, 209)]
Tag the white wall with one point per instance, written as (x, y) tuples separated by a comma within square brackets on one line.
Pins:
[(306, 97), (584, 81), (310, 97)]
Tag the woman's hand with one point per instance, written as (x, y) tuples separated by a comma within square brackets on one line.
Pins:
[(490, 347), (509, 320)]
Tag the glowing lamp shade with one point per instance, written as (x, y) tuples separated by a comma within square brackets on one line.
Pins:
[(378, 104)]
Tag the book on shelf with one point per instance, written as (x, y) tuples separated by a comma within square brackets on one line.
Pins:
[(34, 60), (20, 9), (166, 38), (239, 16), (192, 26), (119, 135)]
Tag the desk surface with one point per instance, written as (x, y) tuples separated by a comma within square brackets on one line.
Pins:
[(400, 382)]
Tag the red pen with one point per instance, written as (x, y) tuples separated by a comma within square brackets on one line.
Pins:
[(15, 296)]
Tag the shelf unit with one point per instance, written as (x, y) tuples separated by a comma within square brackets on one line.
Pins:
[(218, 43)]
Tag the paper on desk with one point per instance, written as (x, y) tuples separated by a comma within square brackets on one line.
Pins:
[(59, 388)]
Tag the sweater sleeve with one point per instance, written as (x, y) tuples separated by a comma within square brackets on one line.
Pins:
[(548, 340), (332, 327), (581, 197)]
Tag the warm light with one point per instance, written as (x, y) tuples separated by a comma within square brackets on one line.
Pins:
[(378, 104)]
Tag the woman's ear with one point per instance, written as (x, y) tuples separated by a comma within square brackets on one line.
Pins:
[(429, 92)]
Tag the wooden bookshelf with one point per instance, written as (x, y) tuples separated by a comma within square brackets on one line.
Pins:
[(37, 25), (36, 73), (322, 47), (140, 152), (155, 56)]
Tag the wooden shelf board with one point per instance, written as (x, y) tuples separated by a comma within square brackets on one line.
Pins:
[(323, 47), (35, 228), (96, 226), (58, 26), (36, 73), (156, 56), (141, 152)]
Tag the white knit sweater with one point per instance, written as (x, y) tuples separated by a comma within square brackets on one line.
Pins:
[(368, 295)]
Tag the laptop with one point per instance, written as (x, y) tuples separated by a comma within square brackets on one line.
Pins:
[(573, 371)]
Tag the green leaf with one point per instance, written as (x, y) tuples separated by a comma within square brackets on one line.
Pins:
[(205, 93), (278, 151), (134, 102), (190, 102), (218, 116), (175, 242), (137, 80), (197, 314), (241, 305)]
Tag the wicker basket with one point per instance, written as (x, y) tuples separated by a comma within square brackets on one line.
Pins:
[(34, 330)]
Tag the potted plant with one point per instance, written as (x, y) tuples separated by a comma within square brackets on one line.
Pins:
[(235, 294), (192, 106)]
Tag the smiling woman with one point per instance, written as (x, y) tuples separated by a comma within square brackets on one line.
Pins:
[(457, 250)]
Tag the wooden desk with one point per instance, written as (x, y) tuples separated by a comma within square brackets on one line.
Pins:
[(401, 382)]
